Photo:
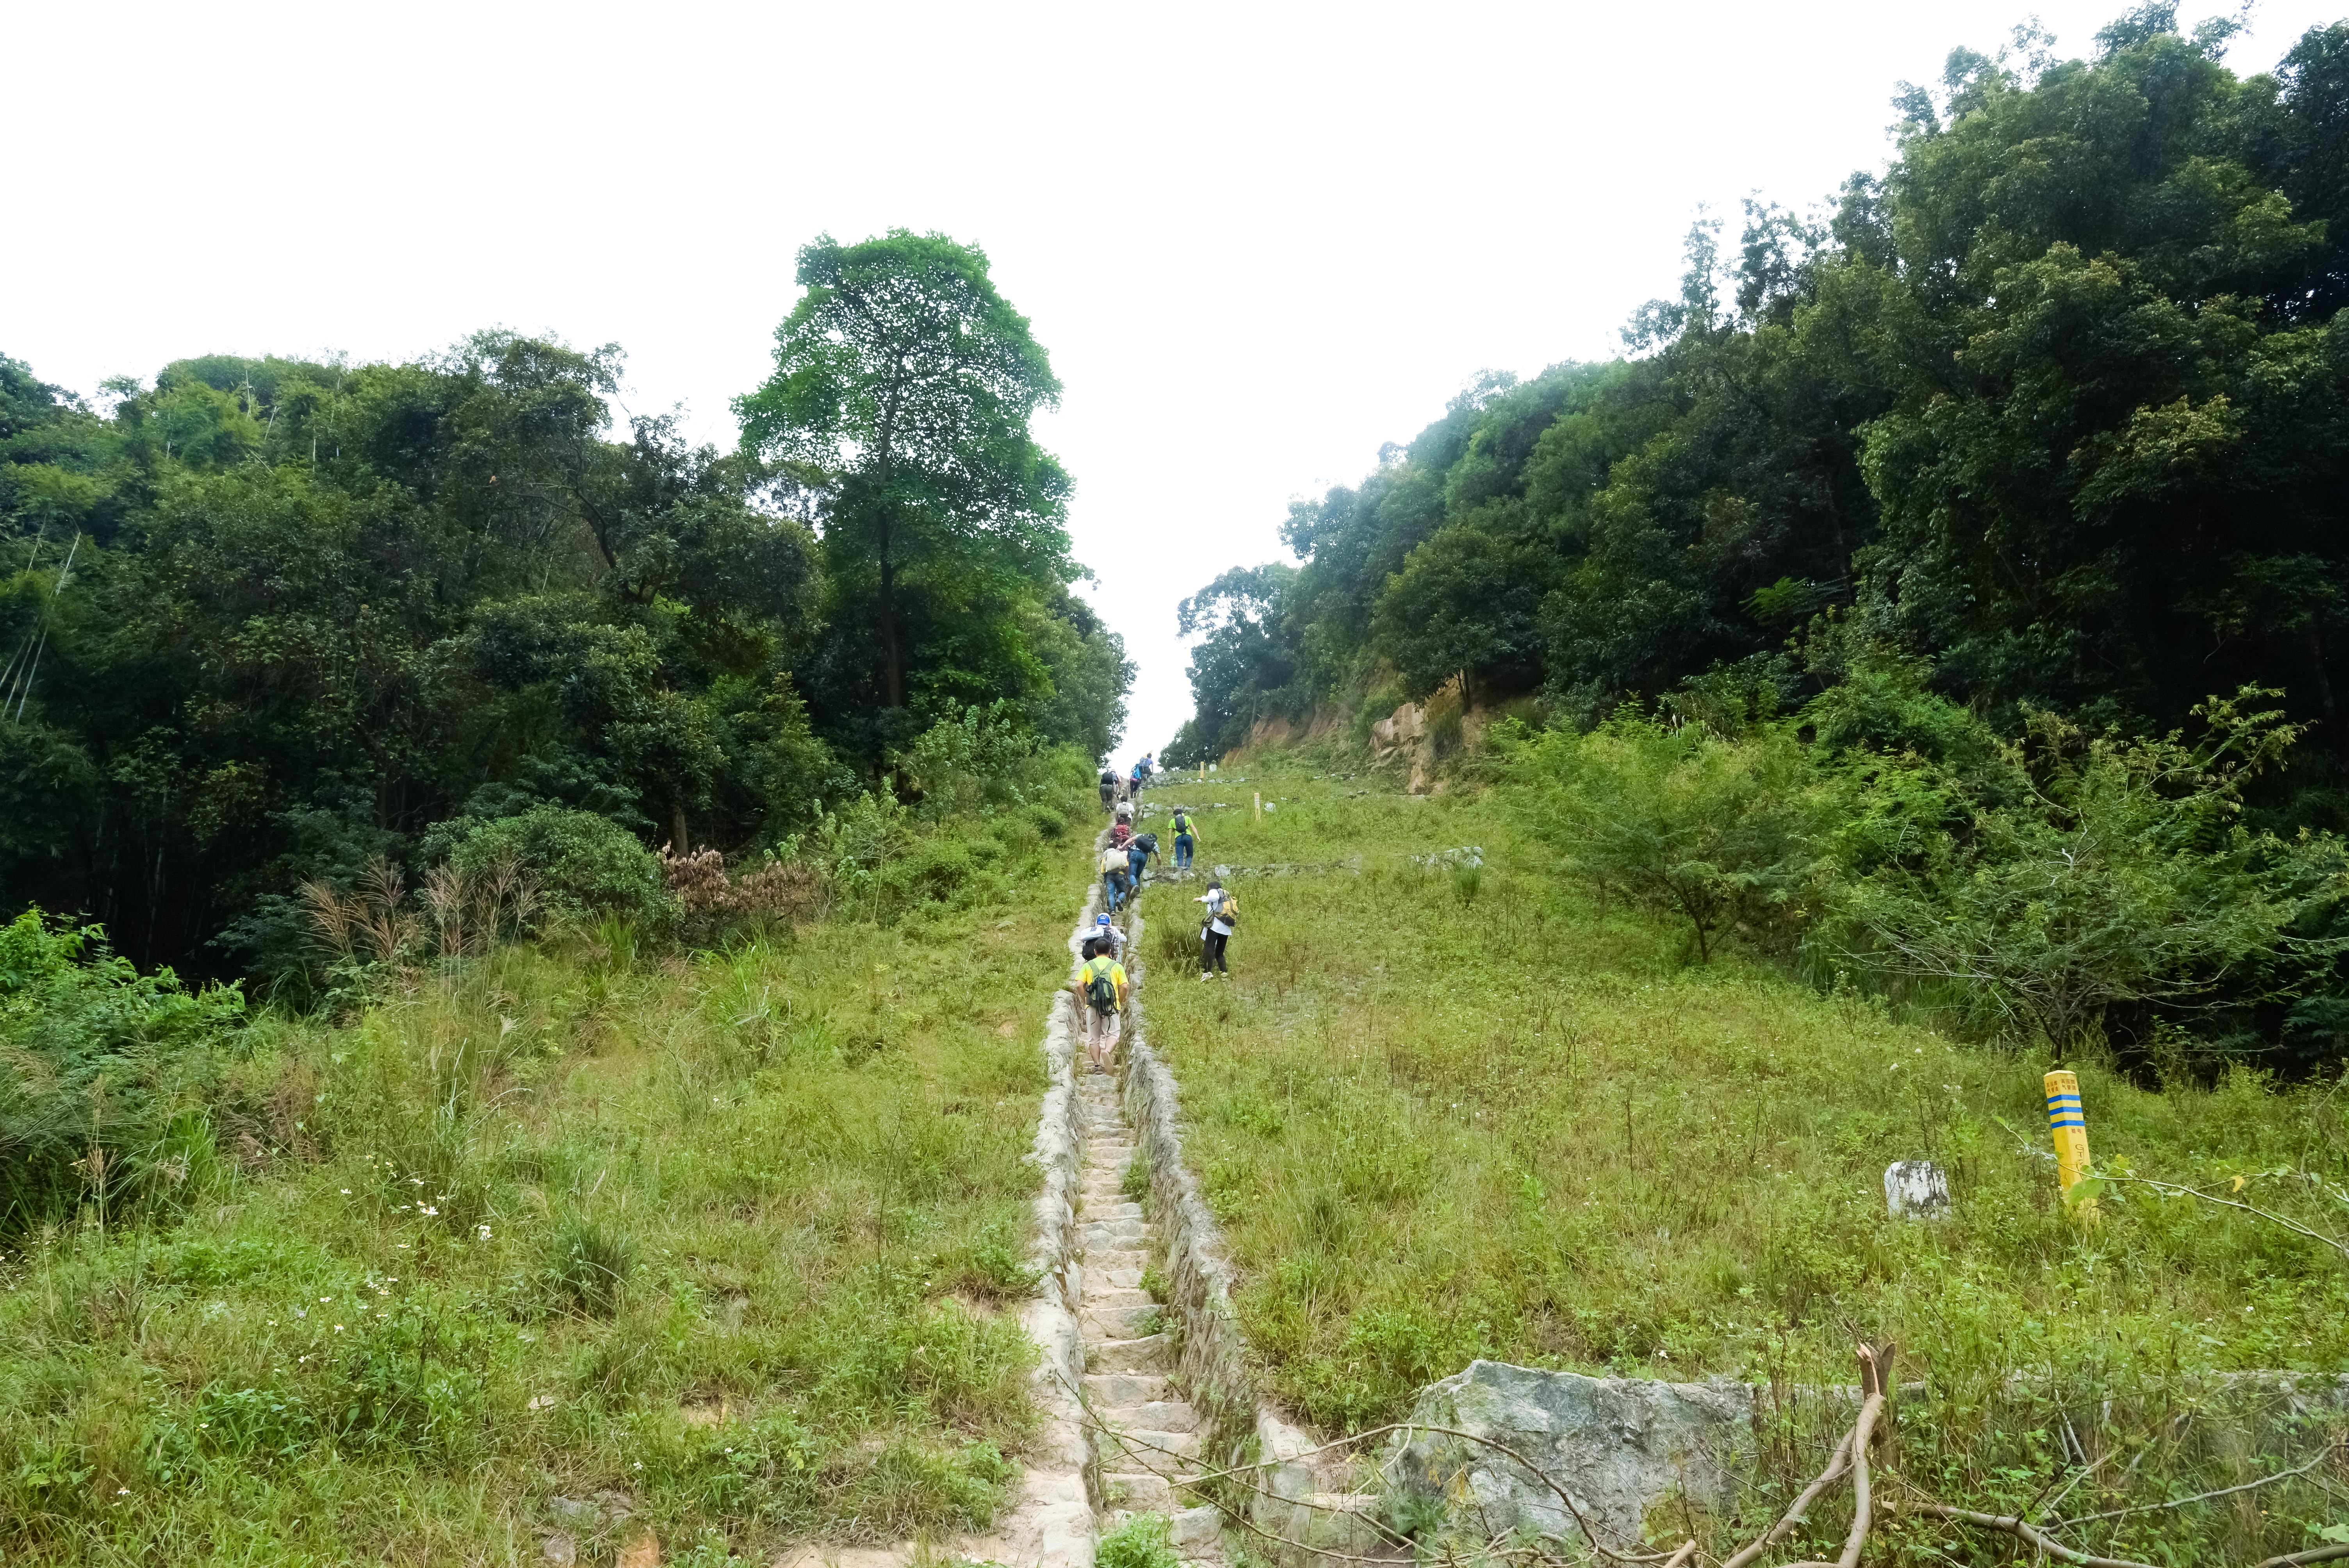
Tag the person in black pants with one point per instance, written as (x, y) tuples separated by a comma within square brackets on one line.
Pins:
[(1223, 914)]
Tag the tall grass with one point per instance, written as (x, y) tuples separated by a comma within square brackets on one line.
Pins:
[(1439, 1122), (727, 1236)]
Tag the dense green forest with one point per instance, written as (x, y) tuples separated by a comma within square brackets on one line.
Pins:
[(268, 622), (1950, 510), (2056, 400)]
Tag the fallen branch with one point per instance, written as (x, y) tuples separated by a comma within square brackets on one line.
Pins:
[(2315, 1554), (1851, 1454), (2022, 1530), (1794, 1515)]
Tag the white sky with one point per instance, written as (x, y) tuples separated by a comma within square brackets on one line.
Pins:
[(1257, 240)]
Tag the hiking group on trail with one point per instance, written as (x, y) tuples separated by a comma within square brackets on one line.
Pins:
[(1116, 787), (1102, 986)]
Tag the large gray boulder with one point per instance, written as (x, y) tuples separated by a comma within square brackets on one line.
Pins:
[(1617, 1446)]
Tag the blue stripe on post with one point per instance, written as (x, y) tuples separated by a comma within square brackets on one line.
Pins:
[(2053, 1123), (2063, 1099)]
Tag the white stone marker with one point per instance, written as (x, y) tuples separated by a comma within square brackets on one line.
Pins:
[(1916, 1190)]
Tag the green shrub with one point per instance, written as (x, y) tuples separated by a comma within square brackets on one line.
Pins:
[(937, 870), (1681, 822), (2069, 873), (585, 866), (100, 1062), (1145, 1540)]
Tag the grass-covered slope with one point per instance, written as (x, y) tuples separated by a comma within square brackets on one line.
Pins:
[(1444, 1113), (720, 1242)]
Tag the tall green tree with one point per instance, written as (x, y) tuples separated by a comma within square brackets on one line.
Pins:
[(903, 391)]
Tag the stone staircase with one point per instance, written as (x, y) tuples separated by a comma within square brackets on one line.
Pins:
[(1150, 1438)]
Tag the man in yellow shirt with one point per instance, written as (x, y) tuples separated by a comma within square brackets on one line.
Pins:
[(1101, 989)]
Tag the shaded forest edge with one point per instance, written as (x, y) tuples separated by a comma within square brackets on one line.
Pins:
[(269, 621), (1945, 590)]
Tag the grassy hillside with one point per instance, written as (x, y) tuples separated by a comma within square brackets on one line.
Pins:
[(566, 1238), (1445, 1112)]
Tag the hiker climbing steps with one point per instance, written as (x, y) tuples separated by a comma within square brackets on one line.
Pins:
[(1148, 1438)]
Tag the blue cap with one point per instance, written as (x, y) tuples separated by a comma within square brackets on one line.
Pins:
[(1101, 919)]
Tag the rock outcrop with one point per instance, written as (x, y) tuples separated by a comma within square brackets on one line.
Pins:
[(1617, 1446)]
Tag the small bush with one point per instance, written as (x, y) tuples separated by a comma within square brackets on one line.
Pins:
[(1048, 823), (1145, 1540), (588, 1266), (1135, 1182), (585, 866)]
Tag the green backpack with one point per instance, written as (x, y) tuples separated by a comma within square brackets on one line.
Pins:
[(1100, 990)]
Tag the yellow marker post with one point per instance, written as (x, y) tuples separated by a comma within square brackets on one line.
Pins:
[(2067, 1124), (1259, 805)]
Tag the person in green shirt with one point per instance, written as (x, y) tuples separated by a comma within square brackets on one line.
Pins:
[(1187, 839)]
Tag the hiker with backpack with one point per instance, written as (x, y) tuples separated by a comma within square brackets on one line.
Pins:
[(1113, 876), (1100, 990), (1138, 851), (1107, 788), (1187, 839), (1223, 914), (1111, 939)]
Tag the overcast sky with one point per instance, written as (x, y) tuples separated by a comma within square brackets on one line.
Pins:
[(1257, 241)]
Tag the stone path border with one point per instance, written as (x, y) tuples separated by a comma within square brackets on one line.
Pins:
[(1285, 1495), (1052, 1524)]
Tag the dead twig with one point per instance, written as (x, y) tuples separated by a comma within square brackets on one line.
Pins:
[(2198, 1497), (2179, 1189)]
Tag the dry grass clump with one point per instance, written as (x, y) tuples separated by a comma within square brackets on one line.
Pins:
[(777, 895)]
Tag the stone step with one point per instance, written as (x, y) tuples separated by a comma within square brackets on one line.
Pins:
[(1101, 1295), (1114, 1279), (1149, 1354), (1133, 1258), (1137, 1491), (1105, 1213), (1109, 1390), (1120, 1234), (1119, 1322), (1151, 1450), (1151, 1415), (1197, 1527)]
